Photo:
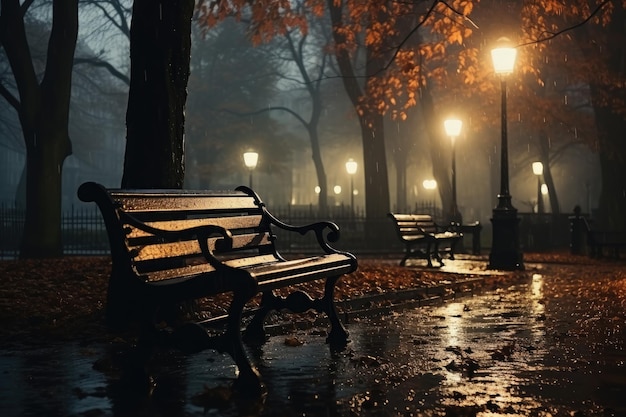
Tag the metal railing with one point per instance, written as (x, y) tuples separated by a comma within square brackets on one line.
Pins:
[(84, 233)]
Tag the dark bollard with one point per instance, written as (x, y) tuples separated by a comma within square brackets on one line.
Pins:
[(577, 230), (476, 238), (474, 229)]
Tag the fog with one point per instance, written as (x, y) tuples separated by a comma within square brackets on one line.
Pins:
[(235, 90)]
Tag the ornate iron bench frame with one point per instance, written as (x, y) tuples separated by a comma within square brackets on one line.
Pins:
[(172, 246)]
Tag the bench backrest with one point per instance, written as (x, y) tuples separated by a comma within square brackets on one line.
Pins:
[(152, 258), (413, 225)]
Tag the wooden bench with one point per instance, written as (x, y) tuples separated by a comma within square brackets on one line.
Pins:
[(423, 238), (171, 246), (600, 240)]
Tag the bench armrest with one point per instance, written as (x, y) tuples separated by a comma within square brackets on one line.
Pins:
[(325, 231), (452, 227), (319, 228), (199, 233)]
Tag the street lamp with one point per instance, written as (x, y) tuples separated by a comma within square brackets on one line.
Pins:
[(351, 167), (431, 186), (453, 130), (538, 171), (250, 159), (337, 191), (505, 253)]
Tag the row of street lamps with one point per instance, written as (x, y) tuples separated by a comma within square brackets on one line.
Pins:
[(505, 252), (251, 158), (538, 171)]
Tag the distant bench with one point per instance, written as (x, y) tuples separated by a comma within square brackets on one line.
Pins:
[(601, 241), (171, 246), (423, 238)]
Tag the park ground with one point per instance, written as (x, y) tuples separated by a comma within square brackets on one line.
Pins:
[(65, 297), (460, 340)]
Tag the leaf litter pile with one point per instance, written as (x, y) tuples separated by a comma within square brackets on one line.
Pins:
[(65, 297)]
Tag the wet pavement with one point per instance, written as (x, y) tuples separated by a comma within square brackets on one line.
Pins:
[(540, 347)]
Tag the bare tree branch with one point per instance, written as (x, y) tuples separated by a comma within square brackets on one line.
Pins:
[(269, 108), (97, 62), (552, 35), (10, 98)]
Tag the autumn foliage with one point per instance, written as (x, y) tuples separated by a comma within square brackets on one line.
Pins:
[(408, 44)]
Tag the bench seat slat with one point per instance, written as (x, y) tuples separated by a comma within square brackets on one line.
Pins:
[(269, 271), (270, 276), (184, 202), (415, 237), (231, 223), (191, 247), (168, 276)]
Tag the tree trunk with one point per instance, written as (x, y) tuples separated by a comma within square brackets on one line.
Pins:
[(42, 223), (375, 169), (544, 154), (160, 51), (400, 157), (372, 133), (441, 164), (602, 44), (612, 203), (322, 201), (43, 110)]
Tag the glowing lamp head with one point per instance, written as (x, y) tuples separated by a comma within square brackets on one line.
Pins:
[(503, 57), (250, 159), (453, 127), (351, 166)]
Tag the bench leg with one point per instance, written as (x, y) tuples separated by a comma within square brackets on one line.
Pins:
[(338, 336), (249, 380), (453, 249), (254, 334), (298, 302), (192, 338), (429, 254), (436, 254), (409, 252)]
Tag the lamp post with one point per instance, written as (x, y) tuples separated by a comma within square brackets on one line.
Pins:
[(505, 253), (337, 191), (250, 159), (538, 171), (351, 167), (453, 130), (431, 186)]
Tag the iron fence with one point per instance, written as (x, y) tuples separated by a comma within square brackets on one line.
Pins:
[(84, 233), (11, 227)]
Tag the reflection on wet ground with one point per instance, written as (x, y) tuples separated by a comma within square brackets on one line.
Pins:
[(505, 352)]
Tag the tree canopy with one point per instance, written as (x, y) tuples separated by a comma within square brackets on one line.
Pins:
[(223, 101)]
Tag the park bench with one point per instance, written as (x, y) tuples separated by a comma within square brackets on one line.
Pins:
[(174, 246), (600, 240), (423, 238)]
